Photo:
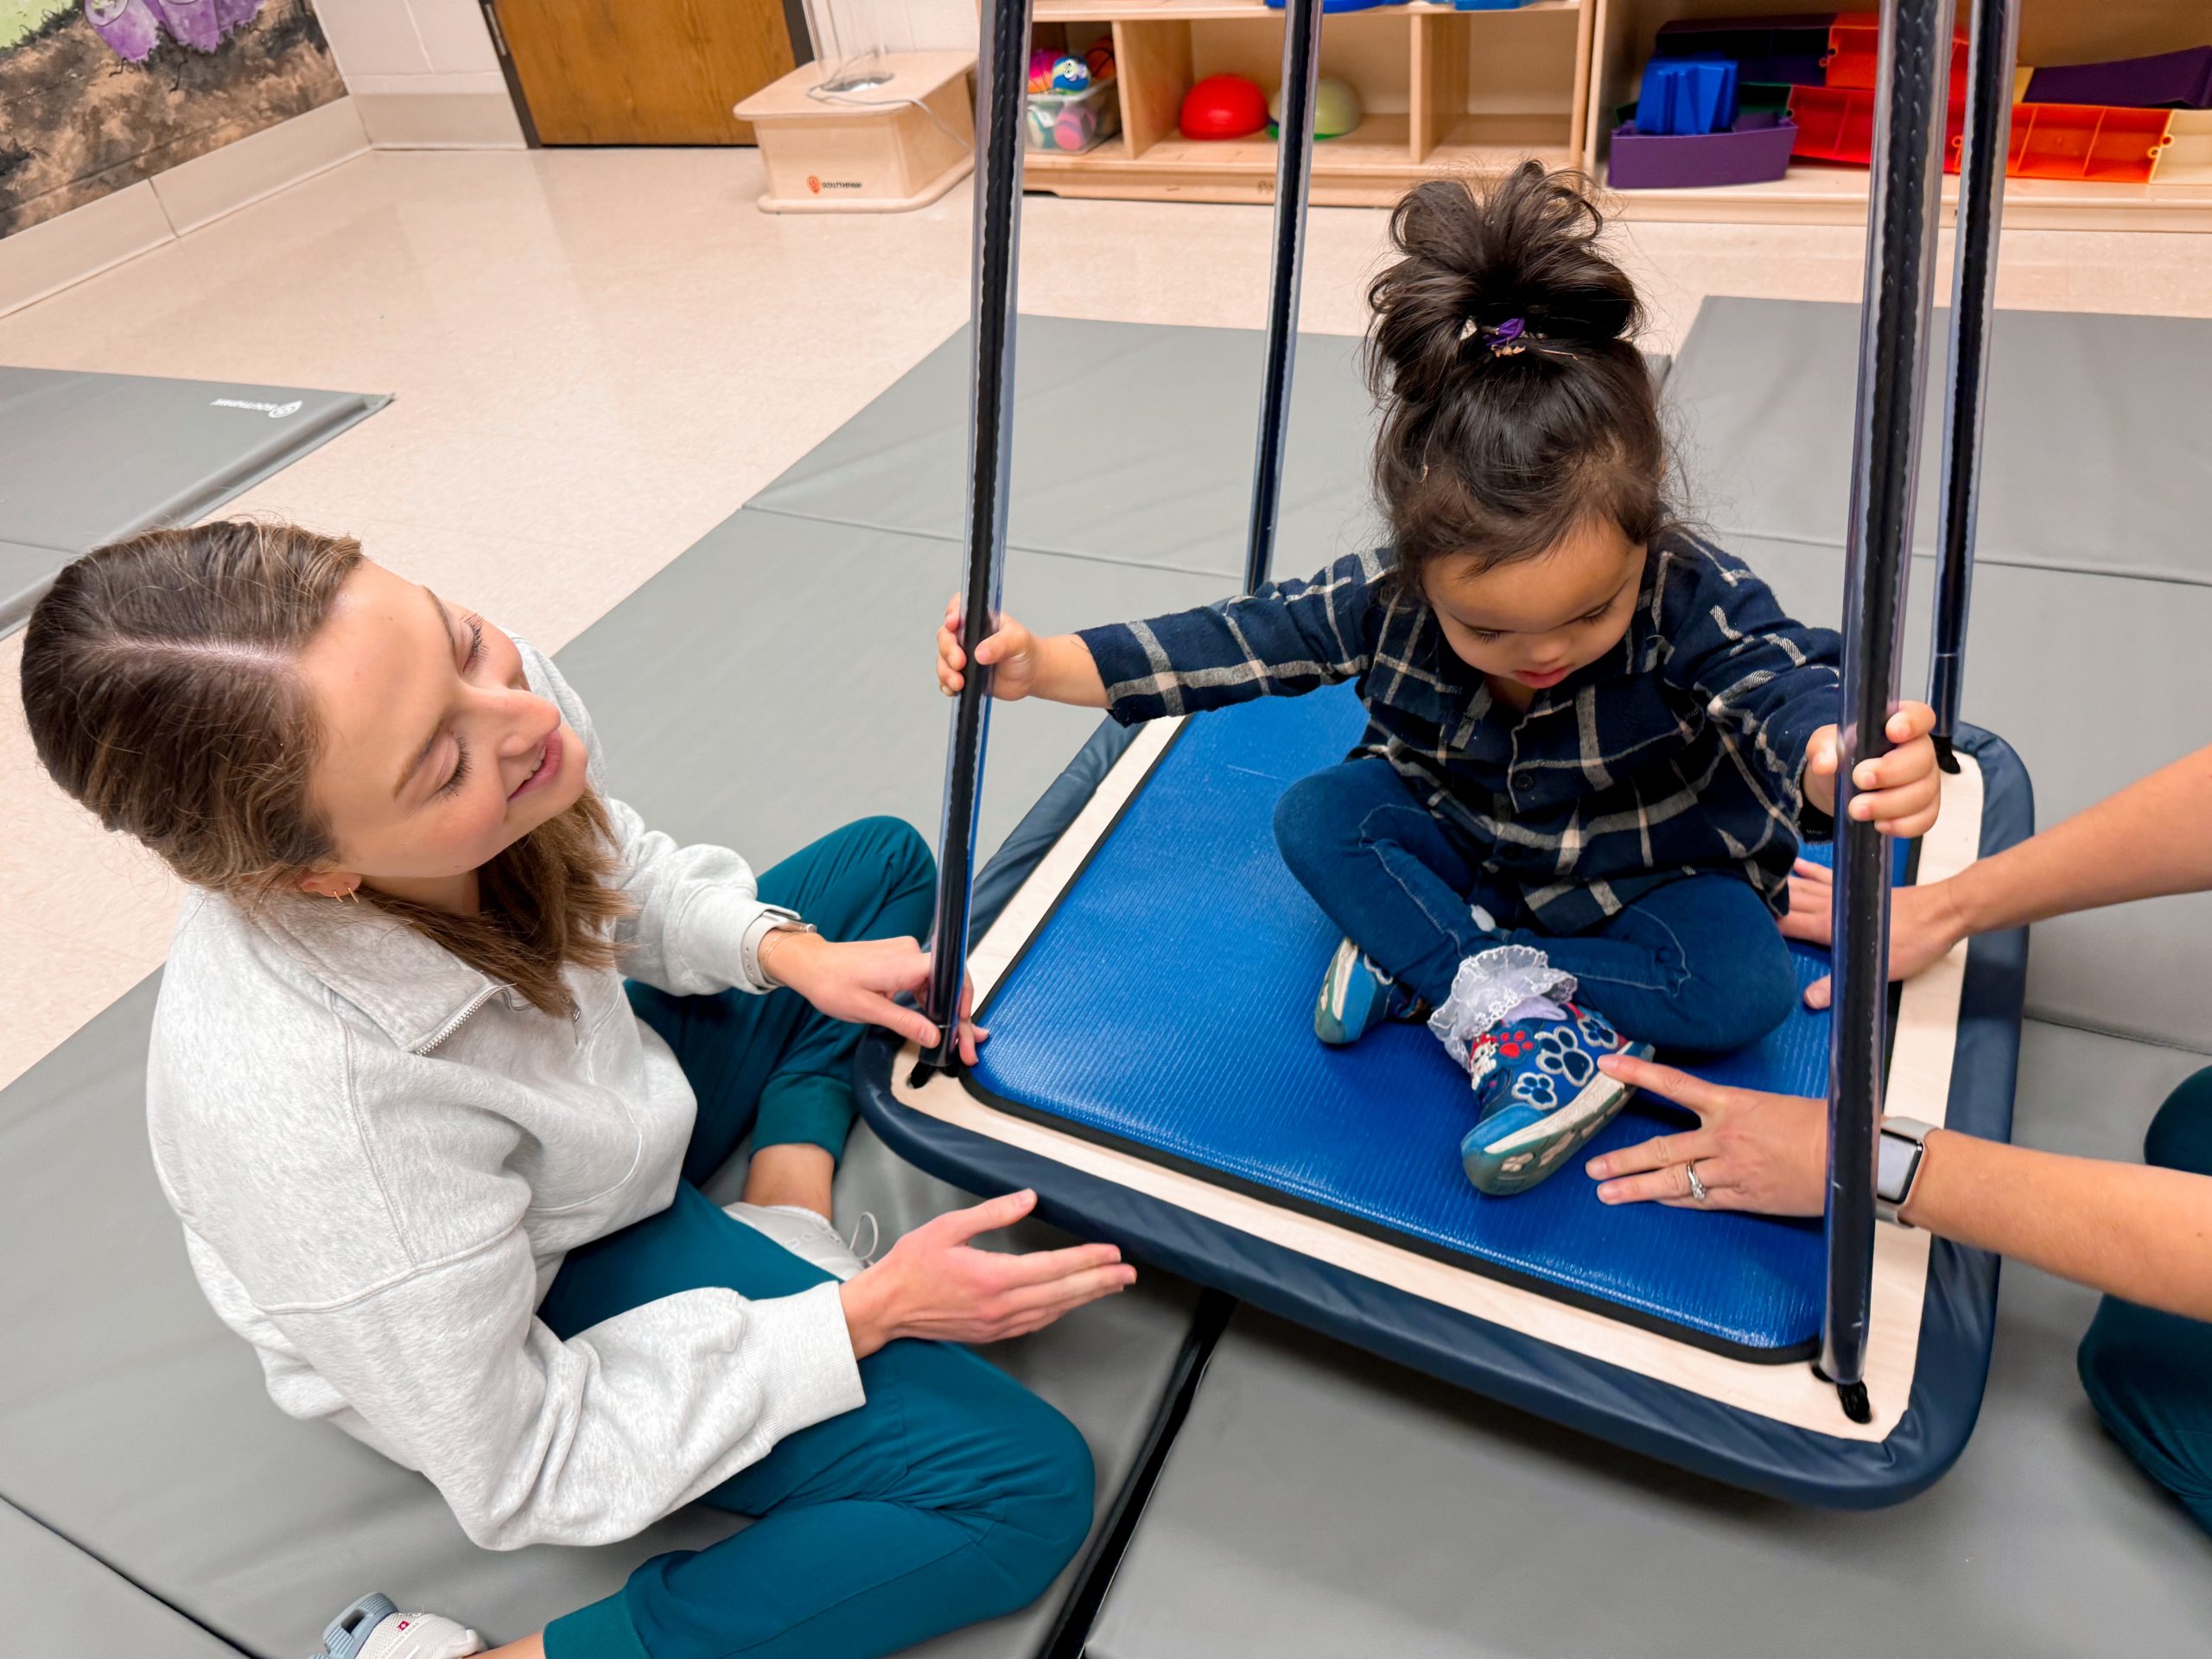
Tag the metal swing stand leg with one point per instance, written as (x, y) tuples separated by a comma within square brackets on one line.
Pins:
[(1001, 81), (1974, 284), (1915, 72), (1301, 70), (1001, 87)]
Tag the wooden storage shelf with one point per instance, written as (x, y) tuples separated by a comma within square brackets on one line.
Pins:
[(1455, 92), (2052, 32), (1444, 91)]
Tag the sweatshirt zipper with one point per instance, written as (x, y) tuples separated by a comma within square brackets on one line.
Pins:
[(459, 1020)]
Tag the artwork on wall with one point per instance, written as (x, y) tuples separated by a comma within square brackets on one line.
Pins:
[(98, 94)]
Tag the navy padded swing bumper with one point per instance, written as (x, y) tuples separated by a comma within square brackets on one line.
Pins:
[(1161, 1009)]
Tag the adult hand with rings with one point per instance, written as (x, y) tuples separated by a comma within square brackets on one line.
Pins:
[(1750, 1151)]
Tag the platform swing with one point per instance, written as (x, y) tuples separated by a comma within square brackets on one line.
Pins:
[(1145, 961)]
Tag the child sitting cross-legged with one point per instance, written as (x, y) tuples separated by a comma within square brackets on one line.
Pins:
[(1594, 740)]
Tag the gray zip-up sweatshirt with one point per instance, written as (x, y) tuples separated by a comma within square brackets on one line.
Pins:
[(380, 1157)]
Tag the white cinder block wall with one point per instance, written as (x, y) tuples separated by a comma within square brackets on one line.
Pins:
[(422, 72), (917, 25)]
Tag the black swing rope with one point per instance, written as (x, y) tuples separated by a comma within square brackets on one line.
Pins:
[(1973, 282), (1901, 221)]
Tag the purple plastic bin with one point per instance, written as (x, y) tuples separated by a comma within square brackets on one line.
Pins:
[(2170, 80), (1756, 151)]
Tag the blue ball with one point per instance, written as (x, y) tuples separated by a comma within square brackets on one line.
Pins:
[(1070, 75)]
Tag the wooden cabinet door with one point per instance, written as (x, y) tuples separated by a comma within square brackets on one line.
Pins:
[(643, 71)]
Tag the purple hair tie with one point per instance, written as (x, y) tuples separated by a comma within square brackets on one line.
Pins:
[(1505, 339)]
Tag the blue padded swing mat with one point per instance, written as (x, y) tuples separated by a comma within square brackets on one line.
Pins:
[(1166, 1004)]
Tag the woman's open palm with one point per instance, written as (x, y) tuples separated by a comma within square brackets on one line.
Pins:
[(934, 1283), (1921, 928)]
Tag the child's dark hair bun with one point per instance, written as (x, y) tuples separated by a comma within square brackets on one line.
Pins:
[(1515, 398), (1475, 256)]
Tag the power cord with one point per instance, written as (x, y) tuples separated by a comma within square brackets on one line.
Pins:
[(858, 100)]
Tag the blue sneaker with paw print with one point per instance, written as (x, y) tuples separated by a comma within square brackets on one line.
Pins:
[(1541, 1094)]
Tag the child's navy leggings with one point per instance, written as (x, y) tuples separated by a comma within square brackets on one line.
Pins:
[(1697, 964), (954, 1494)]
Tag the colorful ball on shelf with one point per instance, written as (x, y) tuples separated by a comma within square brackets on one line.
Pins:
[(1100, 60), (1224, 106), (1070, 75), (1040, 69), (1336, 108)]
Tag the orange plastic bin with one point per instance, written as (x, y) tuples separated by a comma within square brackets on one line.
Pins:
[(2050, 140)]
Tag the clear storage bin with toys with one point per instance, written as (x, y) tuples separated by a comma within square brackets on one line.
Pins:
[(1074, 104)]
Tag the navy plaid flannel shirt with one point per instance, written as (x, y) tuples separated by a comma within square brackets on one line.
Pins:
[(1680, 752)]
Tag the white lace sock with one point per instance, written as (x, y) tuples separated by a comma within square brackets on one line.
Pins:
[(1506, 982)]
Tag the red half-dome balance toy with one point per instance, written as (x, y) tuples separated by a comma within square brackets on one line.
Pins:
[(1224, 106)]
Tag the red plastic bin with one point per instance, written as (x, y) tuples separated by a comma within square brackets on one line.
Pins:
[(2050, 140), (1854, 44)]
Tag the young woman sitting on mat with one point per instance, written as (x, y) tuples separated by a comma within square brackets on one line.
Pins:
[(2141, 1234), (1593, 738), (439, 1164)]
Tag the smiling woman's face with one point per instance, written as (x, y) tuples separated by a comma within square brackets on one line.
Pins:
[(436, 756)]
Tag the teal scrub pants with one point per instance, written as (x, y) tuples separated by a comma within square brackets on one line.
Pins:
[(954, 1494), (2150, 1374)]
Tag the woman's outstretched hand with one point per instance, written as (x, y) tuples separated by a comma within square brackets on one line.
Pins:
[(857, 981), (934, 1283), (1923, 924), (1763, 1153)]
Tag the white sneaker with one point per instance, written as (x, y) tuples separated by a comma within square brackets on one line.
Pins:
[(374, 1628), (807, 1235)]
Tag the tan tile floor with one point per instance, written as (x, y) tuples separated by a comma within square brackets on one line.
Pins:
[(599, 354)]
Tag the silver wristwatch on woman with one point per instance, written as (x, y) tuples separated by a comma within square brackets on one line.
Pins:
[(1902, 1144)]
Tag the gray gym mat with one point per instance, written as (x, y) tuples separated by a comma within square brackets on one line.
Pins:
[(137, 1426), (2097, 680), (86, 458), (802, 651), (2093, 458), (61, 1603), (1320, 1502), (2093, 583), (1132, 443), (771, 683)]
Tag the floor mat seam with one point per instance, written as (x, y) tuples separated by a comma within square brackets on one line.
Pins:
[(94, 1556), (755, 505), (2065, 1022), (1724, 532)]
